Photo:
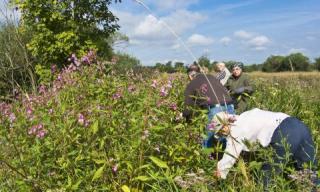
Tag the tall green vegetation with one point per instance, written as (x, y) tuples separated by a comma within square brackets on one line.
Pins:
[(16, 68), (60, 28)]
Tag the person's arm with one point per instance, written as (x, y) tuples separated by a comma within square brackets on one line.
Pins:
[(230, 156), (246, 88)]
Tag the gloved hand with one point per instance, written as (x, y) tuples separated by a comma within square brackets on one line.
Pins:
[(239, 90)]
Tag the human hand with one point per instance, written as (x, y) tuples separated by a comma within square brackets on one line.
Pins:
[(217, 174), (239, 90)]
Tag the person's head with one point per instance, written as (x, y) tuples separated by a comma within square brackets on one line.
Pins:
[(193, 70), (220, 66), (237, 69)]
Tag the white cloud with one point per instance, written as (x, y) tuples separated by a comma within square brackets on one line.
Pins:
[(259, 41), (151, 28), (182, 20), (199, 40), (225, 40), (243, 34)]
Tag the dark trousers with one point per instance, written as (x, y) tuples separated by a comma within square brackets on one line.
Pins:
[(291, 136)]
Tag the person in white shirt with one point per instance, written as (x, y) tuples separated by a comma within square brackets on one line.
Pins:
[(269, 129), (223, 73)]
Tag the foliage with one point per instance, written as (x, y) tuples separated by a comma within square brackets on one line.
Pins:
[(204, 61), (92, 130), (292, 62), (124, 62), (16, 69), (61, 28), (317, 63)]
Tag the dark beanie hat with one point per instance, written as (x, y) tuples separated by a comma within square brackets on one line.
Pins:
[(237, 64)]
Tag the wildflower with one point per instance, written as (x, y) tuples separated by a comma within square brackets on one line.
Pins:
[(169, 85), (212, 126), (116, 96), (81, 119), (115, 168), (42, 89), (154, 84), (32, 130), (41, 134), (12, 117), (38, 131), (173, 106), (50, 111), (53, 69), (163, 92), (29, 111), (131, 88), (232, 118)]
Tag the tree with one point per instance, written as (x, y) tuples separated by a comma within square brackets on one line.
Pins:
[(63, 27), (204, 61), (296, 62), (317, 63), (126, 61), (273, 64)]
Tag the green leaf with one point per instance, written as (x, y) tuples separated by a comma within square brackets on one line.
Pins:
[(125, 188), (99, 161), (159, 162), (95, 127), (98, 173), (76, 186), (142, 178)]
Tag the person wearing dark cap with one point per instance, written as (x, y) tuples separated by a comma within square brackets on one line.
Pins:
[(207, 92), (239, 88)]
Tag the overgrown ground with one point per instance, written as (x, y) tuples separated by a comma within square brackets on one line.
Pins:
[(94, 130)]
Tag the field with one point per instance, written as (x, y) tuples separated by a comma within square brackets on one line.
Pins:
[(92, 129)]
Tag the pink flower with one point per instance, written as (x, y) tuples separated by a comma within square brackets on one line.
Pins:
[(29, 111), (41, 134), (116, 96), (212, 126), (173, 106), (81, 119), (42, 89), (131, 88), (12, 117), (154, 84), (232, 119), (163, 92), (115, 168)]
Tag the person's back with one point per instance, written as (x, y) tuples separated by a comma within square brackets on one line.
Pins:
[(257, 125), (201, 88)]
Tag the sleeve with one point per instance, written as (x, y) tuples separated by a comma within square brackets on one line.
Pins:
[(247, 86), (230, 156)]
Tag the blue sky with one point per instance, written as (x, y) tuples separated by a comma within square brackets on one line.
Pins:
[(247, 30)]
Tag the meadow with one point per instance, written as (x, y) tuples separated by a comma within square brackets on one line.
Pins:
[(93, 129)]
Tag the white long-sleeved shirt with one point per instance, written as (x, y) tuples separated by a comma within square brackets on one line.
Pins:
[(255, 125)]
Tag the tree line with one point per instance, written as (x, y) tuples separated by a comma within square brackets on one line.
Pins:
[(274, 63)]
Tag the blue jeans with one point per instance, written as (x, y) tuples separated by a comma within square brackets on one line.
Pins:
[(208, 141), (301, 147)]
